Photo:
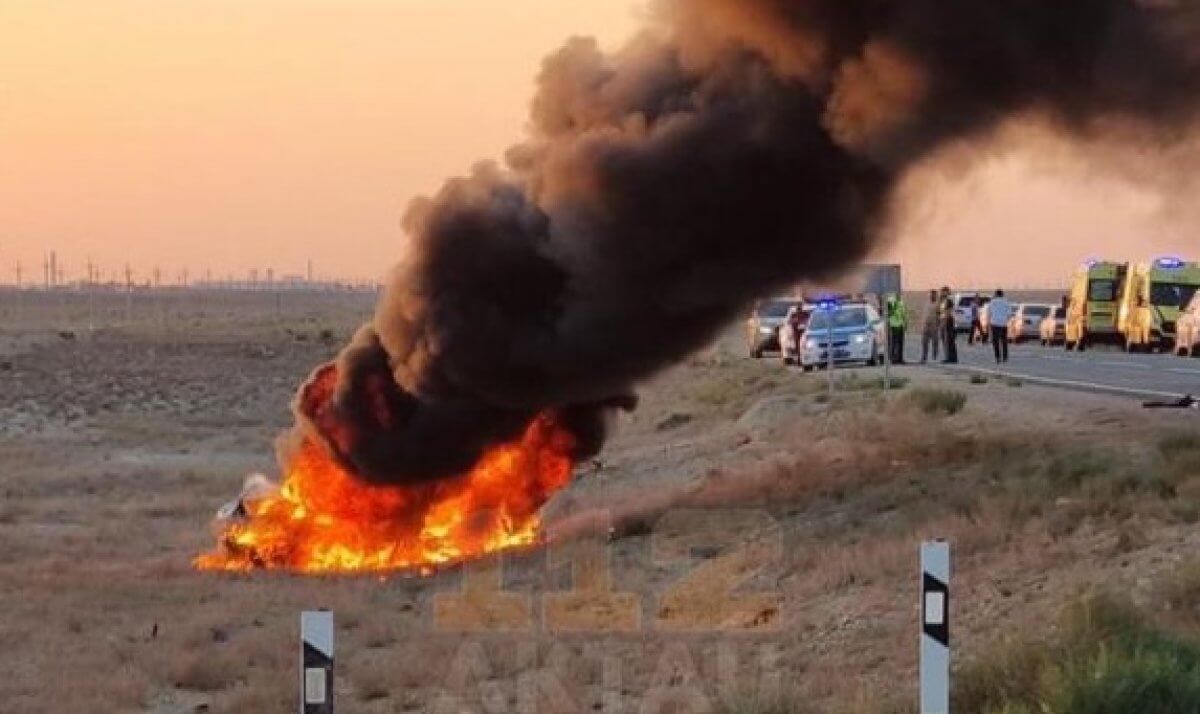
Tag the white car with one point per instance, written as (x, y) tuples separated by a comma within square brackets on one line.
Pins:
[(857, 334), (1026, 322), (1187, 329), (962, 309), (1053, 330)]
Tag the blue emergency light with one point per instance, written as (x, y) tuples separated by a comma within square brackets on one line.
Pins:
[(827, 305), (1169, 263)]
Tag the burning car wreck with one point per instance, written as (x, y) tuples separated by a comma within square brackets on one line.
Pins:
[(323, 519)]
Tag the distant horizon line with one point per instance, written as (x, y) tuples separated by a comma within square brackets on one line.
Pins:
[(328, 285)]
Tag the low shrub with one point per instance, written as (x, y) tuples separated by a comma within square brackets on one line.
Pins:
[(1180, 592), (754, 702), (854, 382), (1180, 454), (206, 670), (1179, 442), (938, 401), (1106, 659)]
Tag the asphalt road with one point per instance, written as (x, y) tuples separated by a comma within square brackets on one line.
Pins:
[(1101, 368)]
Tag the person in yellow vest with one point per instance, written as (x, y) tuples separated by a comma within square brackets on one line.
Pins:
[(897, 321)]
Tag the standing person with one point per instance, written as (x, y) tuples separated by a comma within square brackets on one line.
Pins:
[(897, 319), (790, 335), (973, 313), (998, 313), (930, 328), (946, 327), (977, 326), (949, 332)]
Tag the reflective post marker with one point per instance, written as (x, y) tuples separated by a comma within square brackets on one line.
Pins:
[(935, 627), (316, 662)]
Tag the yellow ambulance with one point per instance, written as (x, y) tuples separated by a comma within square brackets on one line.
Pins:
[(1092, 304), (1152, 299)]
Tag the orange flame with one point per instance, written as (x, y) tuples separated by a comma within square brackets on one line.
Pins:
[(323, 520)]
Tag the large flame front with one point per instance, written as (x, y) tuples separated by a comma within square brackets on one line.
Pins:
[(323, 520)]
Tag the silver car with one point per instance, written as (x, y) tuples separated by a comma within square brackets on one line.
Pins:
[(854, 332)]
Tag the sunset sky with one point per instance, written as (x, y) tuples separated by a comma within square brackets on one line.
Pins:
[(226, 135)]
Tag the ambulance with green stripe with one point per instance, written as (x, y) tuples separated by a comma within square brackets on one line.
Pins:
[(1094, 298), (1152, 299)]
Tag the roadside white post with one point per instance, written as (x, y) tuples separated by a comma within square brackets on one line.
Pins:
[(316, 662), (935, 627), (881, 281)]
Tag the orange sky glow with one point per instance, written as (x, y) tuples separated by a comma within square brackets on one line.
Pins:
[(226, 135)]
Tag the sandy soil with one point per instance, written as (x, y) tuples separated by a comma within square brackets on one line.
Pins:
[(741, 532)]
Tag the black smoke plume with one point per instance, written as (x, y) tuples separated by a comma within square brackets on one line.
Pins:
[(734, 147)]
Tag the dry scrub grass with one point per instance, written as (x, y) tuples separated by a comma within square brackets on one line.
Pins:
[(1105, 657), (373, 676), (785, 701), (101, 514)]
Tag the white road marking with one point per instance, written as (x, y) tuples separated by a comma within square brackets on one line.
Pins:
[(1114, 363), (1078, 384), (1135, 365), (1150, 364)]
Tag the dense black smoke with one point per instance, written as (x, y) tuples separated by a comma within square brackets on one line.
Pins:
[(733, 148)]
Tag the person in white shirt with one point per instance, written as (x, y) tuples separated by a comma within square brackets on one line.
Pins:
[(789, 336), (998, 313)]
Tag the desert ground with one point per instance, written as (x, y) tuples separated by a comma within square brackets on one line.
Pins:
[(745, 543)]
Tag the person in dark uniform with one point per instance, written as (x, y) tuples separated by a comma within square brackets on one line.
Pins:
[(931, 327), (974, 330), (949, 332)]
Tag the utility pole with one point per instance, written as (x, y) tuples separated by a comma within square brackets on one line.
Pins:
[(829, 350), (128, 294), (20, 293), (90, 287), (46, 272), (160, 298)]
